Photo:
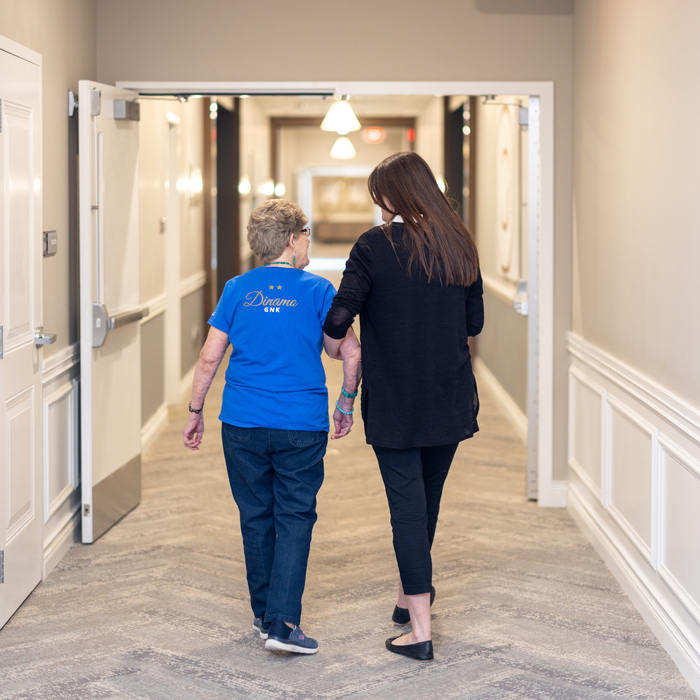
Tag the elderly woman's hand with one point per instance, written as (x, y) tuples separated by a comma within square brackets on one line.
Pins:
[(192, 434), (342, 421)]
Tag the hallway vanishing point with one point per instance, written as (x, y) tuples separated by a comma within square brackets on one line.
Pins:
[(158, 608)]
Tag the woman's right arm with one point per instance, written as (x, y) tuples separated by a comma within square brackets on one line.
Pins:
[(475, 307), (209, 360), (354, 289)]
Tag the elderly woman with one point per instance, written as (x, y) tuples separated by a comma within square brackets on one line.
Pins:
[(274, 412), (416, 285)]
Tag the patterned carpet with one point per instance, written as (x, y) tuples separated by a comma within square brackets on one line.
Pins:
[(157, 609)]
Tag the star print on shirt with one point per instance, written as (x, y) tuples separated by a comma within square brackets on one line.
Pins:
[(272, 286), (279, 286)]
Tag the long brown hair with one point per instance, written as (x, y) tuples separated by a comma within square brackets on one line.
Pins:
[(437, 240)]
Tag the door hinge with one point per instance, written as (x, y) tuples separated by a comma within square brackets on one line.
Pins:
[(523, 117), (95, 102), (1, 343), (86, 510), (2, 566)]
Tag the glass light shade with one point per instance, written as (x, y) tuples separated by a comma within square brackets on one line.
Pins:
[(343, 148), (340, 118)]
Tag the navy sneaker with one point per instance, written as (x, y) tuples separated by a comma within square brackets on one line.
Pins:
[(287, 639), (259, 625)]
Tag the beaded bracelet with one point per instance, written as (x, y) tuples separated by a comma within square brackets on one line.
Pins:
[(347, 413), (345, 393)]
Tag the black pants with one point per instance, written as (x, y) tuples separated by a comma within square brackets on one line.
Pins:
[(413, 479)]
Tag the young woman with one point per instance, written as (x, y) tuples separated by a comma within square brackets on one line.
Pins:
[(416, 285)]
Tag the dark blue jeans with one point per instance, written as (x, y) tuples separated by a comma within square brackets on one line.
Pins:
[(275, 476)]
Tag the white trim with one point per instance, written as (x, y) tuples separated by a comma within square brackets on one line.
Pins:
[(156, 307), (511, 409), (192, 283), (186, 384), (153, 426), (59, 545), (12, 47), (548, 492), (666, 445), (575, 375), (648, 430), (675, 635), (60, 362), (663, 402), (68, 389), (558, 493), (502, 290)]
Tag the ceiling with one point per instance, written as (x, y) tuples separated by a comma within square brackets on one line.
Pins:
[(374, 105)]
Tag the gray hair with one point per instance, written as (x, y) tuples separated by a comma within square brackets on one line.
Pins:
[(270, 225)]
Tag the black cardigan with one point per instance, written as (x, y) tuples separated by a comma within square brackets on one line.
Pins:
[(418, 388)]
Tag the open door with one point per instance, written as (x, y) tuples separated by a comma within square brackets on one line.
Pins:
[(21, 336), (110, 335)]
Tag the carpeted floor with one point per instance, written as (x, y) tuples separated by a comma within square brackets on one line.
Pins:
[(158, 609)]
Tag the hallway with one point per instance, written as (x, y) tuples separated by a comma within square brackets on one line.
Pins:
[(157, 608)]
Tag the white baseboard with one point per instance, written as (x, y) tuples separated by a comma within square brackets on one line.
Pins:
[(68, 535), (554, 496), (516, 417), (155, 424), (665, 620)]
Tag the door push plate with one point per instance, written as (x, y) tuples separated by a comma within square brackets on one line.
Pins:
[(100, 318)]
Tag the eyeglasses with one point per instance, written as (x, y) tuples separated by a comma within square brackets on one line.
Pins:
[(306, 231)]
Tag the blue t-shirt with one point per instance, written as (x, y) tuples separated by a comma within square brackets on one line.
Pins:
[(275, 378)]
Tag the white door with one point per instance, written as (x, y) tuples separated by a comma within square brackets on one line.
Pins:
[(21, 550), (110, 335)]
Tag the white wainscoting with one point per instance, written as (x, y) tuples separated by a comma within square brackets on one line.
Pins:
[(634, 458), (61, 468)]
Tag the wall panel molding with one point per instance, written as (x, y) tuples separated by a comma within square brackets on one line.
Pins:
[(666, 404), (193, 283), (156, 307), (645, 518), (60, 362)]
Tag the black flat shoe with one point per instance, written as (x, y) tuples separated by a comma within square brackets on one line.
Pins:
[(422, 651), (401, 616)]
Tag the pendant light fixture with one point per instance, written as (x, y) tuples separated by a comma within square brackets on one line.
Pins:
[(340, 117), (343, 149)]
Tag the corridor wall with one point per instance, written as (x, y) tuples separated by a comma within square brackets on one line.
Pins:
[(281, 41), (63, 32), (634, 447), (501, 191)]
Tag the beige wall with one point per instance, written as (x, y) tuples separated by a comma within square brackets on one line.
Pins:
[(254, 163), (502, 345), (637, 178), (448, 40), (430, 136), (63, 32)]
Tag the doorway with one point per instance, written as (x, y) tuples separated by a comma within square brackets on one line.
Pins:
[(540, 224)]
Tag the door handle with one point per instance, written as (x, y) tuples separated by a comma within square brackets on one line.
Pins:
[(520, 302), (41, 338), (103, 322)]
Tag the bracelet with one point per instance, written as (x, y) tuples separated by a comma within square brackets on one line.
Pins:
[(346, 413), (345, 393), (194, 410)]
